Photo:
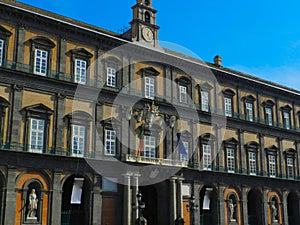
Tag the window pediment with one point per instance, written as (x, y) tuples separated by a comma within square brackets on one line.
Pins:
[(249, 98), (81, 52), (204, 87), (43, 42), (4, 32), (268, 103), (286, 108), (79, 116), (290, 152), (228, 92), (3, 102), (184, 80), (111, 122), (252, 146), (231, 142), (272, 150), (148, 71), (38, 108), (207, 138)]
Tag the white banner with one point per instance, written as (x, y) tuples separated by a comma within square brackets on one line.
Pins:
[(77, 191)]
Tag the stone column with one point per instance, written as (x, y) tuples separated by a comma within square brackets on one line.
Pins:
[(172, 200), (127, 200), (97, 201), (56, 199), (244, 210), (135, 191), (179, 197), (197, 202), (10, 208)]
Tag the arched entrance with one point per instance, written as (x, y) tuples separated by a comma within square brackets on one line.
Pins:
[(254, 207), (293, 208), (208, 206), (149, 197), (76, 213)]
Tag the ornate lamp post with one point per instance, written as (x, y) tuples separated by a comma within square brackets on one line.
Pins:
[(192, 208), (140, 206)]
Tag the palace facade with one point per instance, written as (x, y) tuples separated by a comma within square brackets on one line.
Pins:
[(90, 118)]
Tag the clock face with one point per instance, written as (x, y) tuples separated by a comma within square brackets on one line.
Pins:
[(148, 34)]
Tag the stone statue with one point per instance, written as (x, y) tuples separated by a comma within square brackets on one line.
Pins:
[(231, 207), (32, 205), (274, 211)]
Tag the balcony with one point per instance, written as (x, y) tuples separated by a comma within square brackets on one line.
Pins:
[(154, 161)]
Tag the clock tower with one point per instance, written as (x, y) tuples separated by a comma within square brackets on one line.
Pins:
[(143, 25)]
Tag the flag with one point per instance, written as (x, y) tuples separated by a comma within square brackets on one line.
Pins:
[(142, 143), (181, 147)]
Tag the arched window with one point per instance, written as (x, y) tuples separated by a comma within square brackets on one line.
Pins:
[(147, 17)]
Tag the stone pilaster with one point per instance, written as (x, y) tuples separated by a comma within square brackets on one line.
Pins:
[(242, 153), (10, 208), (244, 210), (265, 206), (284, 205), (56, 199), (262, 155), (97, 201), (16, 100), (99, 131), (221, 205), (281, 158), (59, 117)]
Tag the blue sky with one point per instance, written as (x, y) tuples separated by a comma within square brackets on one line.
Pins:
[(259, 37)]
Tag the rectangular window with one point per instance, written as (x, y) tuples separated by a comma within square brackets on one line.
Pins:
[(228, 106), (272, 165), (249, 111), (40, 62), (230, 160), (80, 71), (290, 167), (184, 157), (109, 184), (269, 116), (182, 94), (110, 142), (252, 163), (149, 147), (111, 77), (206, 157), (1, 51), (204, 101), (286, 120), (149, 87), (78, 140), (36, 139)]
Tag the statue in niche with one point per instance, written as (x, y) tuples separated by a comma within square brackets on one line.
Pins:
[(231, 208), (32, 205), (274, 211)]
